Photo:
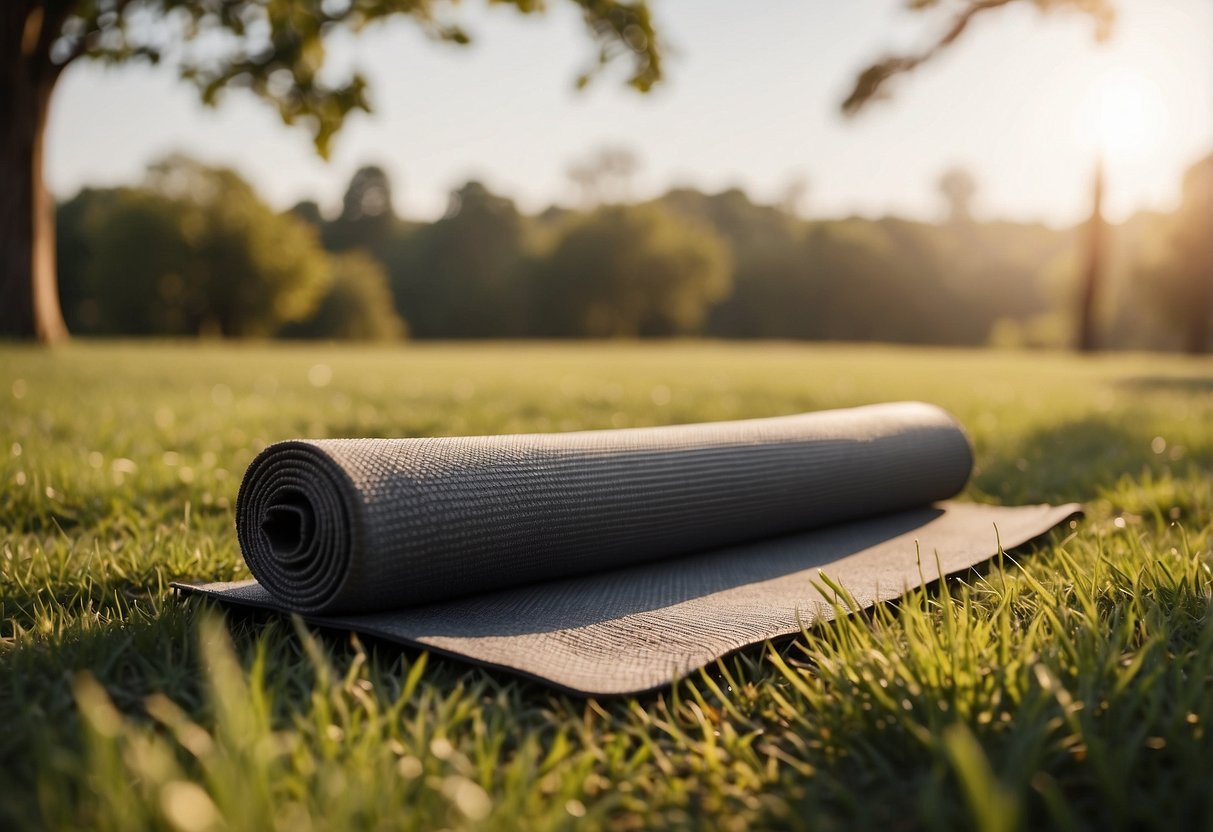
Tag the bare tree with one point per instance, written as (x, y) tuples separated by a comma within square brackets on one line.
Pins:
[(584, 177), (794, 195), (606, 175), (958, 187)]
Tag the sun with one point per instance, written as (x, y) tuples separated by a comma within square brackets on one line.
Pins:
[(1126, 116)]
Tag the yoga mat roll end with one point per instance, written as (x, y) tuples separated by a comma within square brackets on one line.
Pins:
[(298, 523)]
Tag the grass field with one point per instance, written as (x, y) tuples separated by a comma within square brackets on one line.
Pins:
[(1070, 686)]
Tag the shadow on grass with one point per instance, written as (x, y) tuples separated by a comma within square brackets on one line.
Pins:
[(1169, 384), (156, 650), (1079, 460)]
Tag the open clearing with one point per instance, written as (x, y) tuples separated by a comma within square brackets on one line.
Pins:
[(1071, 685)]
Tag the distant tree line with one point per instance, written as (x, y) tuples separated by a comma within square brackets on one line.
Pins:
[(194, 251)]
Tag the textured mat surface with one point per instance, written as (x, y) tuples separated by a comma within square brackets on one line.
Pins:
[(614, 561)]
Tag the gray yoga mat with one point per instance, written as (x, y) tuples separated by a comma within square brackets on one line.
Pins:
[(612, 562)]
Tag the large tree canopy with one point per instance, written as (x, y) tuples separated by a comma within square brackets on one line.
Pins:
[(276, 48), (273, 48)]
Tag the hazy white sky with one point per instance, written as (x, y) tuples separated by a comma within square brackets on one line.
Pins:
[(751, 100)]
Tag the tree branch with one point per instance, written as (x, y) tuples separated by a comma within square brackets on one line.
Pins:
[(871, 83)]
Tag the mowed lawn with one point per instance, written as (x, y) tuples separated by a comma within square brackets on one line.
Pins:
[(1069, 686)]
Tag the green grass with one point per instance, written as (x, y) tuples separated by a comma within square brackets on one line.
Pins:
[(1070, 686)]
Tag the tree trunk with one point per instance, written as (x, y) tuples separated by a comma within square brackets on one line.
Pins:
[(1197, 340), (29, 293), (1200, 316), (1088, 340)]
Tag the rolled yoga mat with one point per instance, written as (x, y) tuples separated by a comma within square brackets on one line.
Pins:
[(609, 562)]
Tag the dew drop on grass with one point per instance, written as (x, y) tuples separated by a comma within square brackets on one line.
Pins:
[(469, 797), (221, 395), (319, 375), (266, 386), (188, 807), (410, 767), (122, 465)]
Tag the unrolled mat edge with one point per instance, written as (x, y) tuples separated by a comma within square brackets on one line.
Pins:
[(577, 635)]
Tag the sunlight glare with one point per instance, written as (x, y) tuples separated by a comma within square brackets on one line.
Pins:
[(1127, 117)]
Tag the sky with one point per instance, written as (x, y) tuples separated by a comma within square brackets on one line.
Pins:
[(1026, 101)]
